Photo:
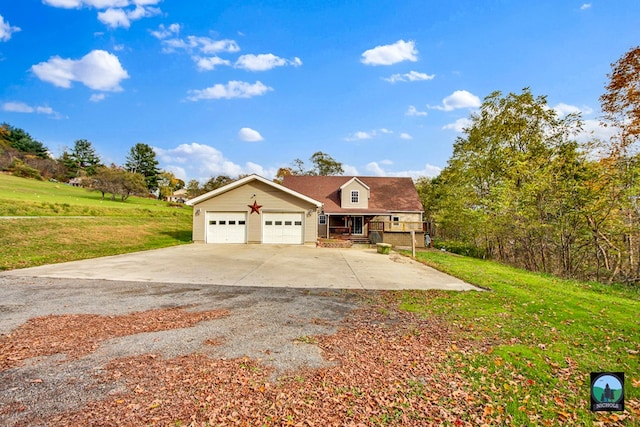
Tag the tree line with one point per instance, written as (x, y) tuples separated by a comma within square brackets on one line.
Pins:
[(24, 156), (519, 188)]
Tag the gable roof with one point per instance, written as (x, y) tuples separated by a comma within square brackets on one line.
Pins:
[(245, 180), (387, 194)]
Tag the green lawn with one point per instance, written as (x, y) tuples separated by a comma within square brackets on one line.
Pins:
[(548, 334), (74, 223)]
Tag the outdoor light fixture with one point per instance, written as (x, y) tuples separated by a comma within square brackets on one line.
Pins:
[(197, 211)]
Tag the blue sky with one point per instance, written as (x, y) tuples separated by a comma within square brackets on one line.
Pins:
[(231, 87)]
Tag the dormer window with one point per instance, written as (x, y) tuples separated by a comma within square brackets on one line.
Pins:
[(355, 196)]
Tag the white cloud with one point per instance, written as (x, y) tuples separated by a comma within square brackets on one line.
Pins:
[(459, 99), (98, 4), (459, 125), (205, 45), (166, 32), (350, 170), (233, 89), (98, 70), (115, 18), (114, 13), (593, 129), (249, 135), (585, 6), (405, 135), (563, 109), (201, 162), (6, 30), (97, 97), (21, 107), (391, 54), (412, 76), (362, 135), (209, 63), (264, 62), (413, 111), (428, 170)]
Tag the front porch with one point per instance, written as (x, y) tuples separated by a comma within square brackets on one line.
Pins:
[(363, 229)]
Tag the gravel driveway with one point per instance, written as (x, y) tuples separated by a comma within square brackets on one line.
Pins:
[(264, 323)]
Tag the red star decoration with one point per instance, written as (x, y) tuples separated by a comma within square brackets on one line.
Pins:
[(255, 208)]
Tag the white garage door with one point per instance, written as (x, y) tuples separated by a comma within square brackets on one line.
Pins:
[(226, 227), (282, 228)]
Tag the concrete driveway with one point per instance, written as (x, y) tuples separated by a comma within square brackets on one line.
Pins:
[(257, 266)]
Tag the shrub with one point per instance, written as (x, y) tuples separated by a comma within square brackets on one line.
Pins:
[(18, 168), (460, 248)]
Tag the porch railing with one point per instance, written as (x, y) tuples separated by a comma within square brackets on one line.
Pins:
[(396, 226)]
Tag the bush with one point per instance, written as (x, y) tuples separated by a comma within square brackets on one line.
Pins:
[(18, 168), (460, 248)]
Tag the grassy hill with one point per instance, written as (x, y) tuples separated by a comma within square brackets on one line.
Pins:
[(68, 223)]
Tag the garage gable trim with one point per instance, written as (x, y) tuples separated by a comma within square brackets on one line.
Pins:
[(246, 180)]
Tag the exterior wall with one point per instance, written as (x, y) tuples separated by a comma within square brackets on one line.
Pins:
[(403, 239), (271, 199), (345, 196)]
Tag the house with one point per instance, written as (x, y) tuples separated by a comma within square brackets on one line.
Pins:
[(178, 196), (255, 210), (305, 208), (358, 208)]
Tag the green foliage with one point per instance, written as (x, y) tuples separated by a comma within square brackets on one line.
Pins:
[(216, 182), (23, 142), (117, 182), (515, 187), (323, 164), (460, 248), (142, 160), (83, 159), (19, 169)]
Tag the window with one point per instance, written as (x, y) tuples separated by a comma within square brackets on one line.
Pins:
[(223, 222), (212, 223), (268, 223), (232, 223), (355, 196), (298, 222), (241, 222), (396, 220), (278, 222), (322, 219), (287, 223)]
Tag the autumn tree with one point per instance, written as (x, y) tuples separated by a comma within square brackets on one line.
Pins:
[(118, 182), (168, 183), (621, 100), (142, 159)]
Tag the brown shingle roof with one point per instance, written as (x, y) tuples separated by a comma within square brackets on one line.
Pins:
[(388, 194)]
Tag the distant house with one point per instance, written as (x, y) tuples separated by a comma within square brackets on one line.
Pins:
[(305, 208), (178, 196), (360, 208)]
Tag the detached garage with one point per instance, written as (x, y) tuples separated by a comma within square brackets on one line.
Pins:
[(254, 210)]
